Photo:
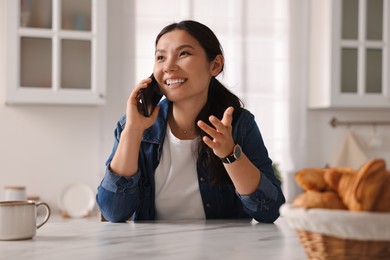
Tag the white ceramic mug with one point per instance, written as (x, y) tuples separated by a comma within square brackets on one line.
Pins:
[(18, 219)]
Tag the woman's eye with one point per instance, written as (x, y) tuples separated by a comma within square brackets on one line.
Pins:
[(159, 57), (184, 53)]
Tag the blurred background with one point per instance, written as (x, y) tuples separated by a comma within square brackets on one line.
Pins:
[(284, 58)]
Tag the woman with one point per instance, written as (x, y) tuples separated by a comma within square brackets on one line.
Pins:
[(200, 155)]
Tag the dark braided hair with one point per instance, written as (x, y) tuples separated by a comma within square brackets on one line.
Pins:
[(219, 97)]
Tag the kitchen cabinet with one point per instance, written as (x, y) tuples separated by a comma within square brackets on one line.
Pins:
[(56, 51), (349, 57)]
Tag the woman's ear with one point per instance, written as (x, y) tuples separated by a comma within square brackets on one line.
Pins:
[(217, 65)]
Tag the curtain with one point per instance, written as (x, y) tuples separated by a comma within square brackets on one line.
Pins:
[(298, 91), (268, 50)]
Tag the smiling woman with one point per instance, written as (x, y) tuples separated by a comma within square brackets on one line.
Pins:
[(200, 154), (183, 70)]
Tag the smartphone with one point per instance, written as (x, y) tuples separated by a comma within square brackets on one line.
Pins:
[(149, 97)]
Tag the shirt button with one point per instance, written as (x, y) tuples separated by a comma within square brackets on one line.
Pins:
[(202, 179), (208, 205)]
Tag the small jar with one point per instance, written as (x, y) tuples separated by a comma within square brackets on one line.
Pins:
[(13, 193)]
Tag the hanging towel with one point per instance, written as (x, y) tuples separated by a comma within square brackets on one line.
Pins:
[(350, 153)]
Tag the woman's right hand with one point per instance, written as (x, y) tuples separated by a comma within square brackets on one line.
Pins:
[(125, 160), (135, 120)]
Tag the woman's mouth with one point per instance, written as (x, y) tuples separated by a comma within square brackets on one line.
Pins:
[(174, 82)]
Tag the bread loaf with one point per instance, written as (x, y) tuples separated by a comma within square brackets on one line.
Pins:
[(311, 179), (367, 189), (316, 199)]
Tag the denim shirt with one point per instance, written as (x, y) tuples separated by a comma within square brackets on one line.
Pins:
[(121, 198)]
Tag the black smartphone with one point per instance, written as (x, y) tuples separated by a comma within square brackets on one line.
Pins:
[(149, 97)]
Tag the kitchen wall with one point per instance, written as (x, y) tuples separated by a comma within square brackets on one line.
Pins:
[(49, 147), (324, 141)]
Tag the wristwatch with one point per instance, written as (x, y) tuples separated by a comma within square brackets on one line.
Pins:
[(235, 155)]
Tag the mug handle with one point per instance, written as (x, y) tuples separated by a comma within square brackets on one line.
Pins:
[(47, 213)]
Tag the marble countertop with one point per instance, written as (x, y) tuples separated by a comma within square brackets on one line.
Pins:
[(212, 239)]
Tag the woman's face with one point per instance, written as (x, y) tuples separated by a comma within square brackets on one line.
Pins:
[(182, 69)]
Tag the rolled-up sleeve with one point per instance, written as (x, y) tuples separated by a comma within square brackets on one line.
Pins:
[(118, 196), (118, 184), (263, 205)]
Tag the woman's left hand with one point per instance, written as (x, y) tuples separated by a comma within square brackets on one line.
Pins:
[(221, 140)]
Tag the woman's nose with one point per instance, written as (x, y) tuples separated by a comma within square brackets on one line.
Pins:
[(170, 65)]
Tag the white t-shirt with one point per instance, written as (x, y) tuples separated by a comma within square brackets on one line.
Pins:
[(176, 181)]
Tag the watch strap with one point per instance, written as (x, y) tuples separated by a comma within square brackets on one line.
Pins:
[(235, 155), (229, 159)]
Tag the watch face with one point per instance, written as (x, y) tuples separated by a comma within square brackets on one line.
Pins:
[(237, 151)]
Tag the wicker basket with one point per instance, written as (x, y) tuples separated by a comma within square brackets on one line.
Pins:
[(319, 246), (340, 235)]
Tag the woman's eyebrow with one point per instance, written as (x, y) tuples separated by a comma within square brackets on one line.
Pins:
[(178, 48), (159, 50), (185, 46)]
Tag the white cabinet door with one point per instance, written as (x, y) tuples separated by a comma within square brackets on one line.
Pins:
[(349, 54), (56, 51)]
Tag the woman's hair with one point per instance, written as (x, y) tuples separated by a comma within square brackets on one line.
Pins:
[(219, 97)]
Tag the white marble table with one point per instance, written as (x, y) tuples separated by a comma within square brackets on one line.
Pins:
[(220, 239)]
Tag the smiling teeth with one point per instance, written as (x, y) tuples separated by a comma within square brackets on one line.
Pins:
[(174, 81)]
